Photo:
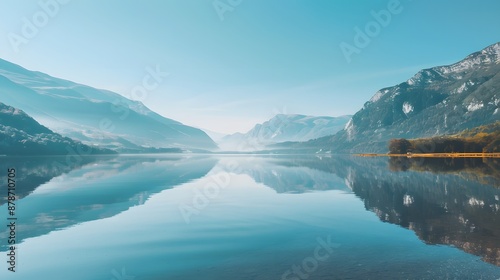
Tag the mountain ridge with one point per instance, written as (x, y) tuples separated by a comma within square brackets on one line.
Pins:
[(70, 108), (283, 128), (435, 101), (22, 135)]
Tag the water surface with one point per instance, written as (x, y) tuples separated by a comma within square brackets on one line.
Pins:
[(250, 217)]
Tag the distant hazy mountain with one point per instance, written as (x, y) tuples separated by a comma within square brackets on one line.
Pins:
[(436, 101), (22, 135), (91, 115), (282, 128), (216, 136)]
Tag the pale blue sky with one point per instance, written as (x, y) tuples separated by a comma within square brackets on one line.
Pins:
[(265, 57)]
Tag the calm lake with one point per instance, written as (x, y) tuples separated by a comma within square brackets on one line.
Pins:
[(252, 217)]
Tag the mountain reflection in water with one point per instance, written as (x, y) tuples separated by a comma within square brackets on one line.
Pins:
[(126, 209), (452, 202)]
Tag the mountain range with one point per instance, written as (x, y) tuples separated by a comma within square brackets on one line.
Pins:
[(282, 128), (40, 111), (436, 101), (94, 116)]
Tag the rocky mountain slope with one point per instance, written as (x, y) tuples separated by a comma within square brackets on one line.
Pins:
[(436, 101)]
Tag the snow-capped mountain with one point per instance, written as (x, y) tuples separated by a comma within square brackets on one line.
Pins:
[(282, 128), (22, 135), (436, 101), (91, 115)]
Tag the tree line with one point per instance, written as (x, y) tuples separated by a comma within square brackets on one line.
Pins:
[(483, 139)]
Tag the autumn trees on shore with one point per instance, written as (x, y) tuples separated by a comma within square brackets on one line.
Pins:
[(483, 139)]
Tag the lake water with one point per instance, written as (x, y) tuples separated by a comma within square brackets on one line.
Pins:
[(251, 217)]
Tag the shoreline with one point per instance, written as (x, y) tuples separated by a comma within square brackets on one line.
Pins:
[(434, 155)]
